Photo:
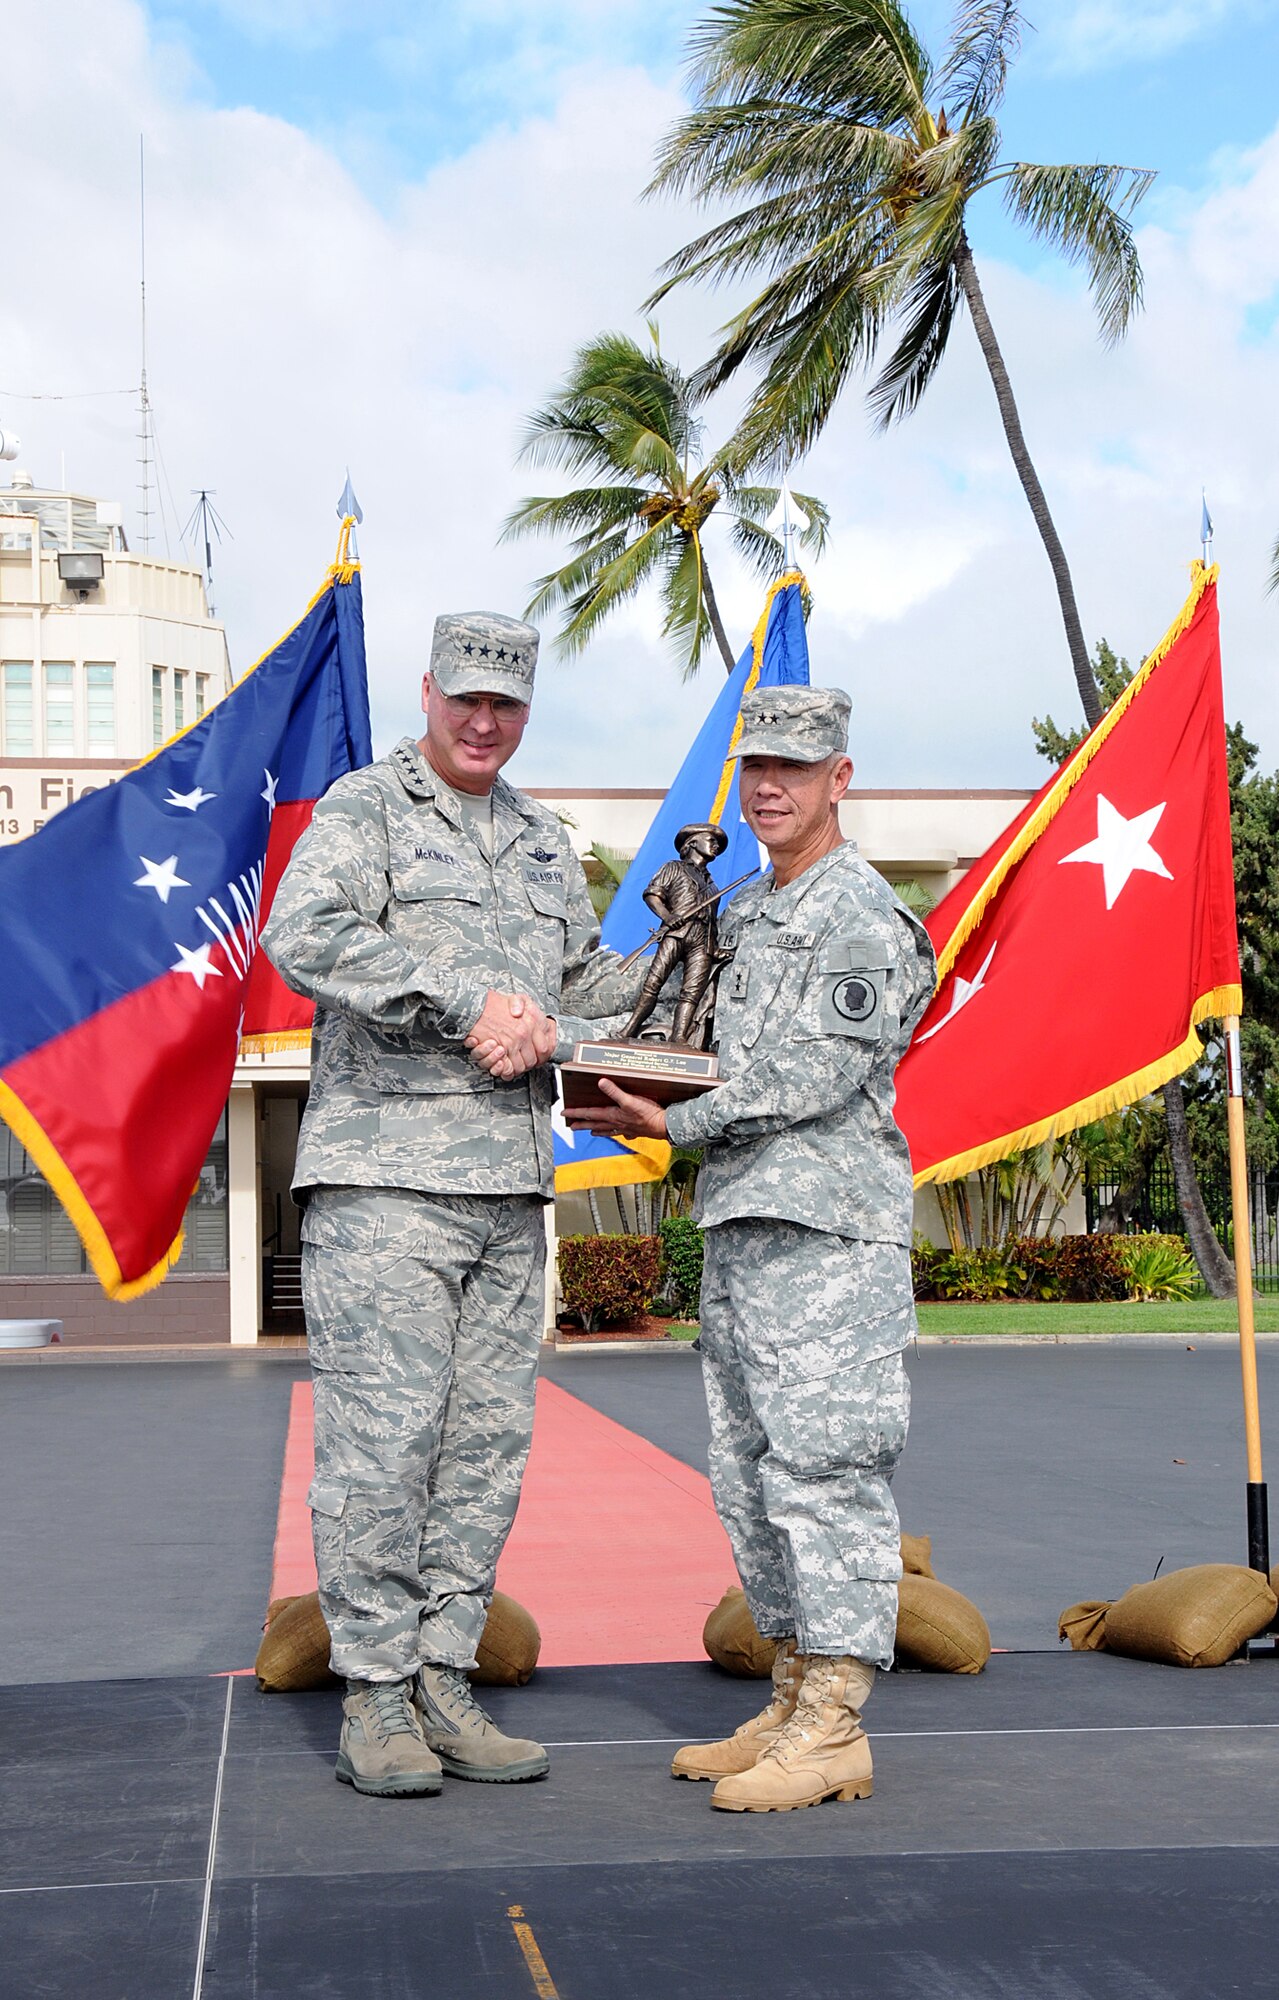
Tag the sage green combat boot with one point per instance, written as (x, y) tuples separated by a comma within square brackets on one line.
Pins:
[(467, 1741), (747, 1745), (383, 1751)]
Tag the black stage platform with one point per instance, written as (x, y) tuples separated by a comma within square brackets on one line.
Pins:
[(1061, 1828)]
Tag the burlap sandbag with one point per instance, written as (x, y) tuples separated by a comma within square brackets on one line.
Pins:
[(729, 1634), (1085, 1625), (939, 1628), (507, 1652), (731, 1640), (1196, 1617), (917, 1554), (936, 1628), (294, 1654)]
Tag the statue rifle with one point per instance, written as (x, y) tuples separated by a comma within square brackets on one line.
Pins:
[(684, 916)]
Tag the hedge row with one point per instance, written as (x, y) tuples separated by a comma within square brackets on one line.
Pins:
[(607, 1279)]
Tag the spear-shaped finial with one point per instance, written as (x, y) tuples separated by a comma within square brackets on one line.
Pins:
[(1205, 527), (789, 520)]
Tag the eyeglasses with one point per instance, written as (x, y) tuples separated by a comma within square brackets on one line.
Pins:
[(503, 708)]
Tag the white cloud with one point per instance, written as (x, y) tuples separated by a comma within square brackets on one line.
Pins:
[(297, 326), (1094, 34)]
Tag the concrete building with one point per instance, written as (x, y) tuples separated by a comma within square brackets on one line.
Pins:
[(104, 654)]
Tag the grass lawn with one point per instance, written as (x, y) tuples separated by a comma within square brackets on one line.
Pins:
[(1199, 1316)]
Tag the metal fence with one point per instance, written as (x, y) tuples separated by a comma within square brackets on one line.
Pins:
[(1154, 1207)]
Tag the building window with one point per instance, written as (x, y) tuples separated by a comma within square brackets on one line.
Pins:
[(157, 706), (18, 709), (59, 708), (201, 695), (100, 704), (38, 1241), (179, 700)]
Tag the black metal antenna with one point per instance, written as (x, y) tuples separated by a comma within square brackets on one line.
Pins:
[(206, 519)]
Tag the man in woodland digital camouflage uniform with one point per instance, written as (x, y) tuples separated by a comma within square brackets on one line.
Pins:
[(805, 1195), (438, 919)]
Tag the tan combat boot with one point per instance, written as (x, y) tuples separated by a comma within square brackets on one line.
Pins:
[(467, 1740), (383, 1751), (821, 1753), (748, 1744)]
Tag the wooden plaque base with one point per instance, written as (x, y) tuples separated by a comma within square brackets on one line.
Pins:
[(666, 1072)]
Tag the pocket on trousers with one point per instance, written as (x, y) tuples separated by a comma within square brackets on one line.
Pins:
[(343, 1252), (860, 1307), (852, 1420), (327, 1500)]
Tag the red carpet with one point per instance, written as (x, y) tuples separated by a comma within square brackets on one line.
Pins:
[(616, 1550)]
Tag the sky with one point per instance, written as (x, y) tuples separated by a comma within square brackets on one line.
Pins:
[(376, 236)]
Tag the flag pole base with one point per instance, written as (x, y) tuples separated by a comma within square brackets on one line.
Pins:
[(1258, 1527)]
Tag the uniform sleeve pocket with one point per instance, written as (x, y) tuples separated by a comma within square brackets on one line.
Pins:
[(853, 998)]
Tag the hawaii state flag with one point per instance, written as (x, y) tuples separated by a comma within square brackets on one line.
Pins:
[(705, 790), (128, 932), (1076, 958)]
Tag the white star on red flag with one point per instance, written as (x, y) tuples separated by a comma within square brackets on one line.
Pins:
[(199, 963), (1122, 848)]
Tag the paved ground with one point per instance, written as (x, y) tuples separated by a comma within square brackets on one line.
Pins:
[(1063, 1827), (1043, 1474)]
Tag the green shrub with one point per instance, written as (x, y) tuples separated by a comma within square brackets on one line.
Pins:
[(605, 1279), (682, 1253), (991, 1273), (924, 1260), (1076, 1269), (1157, 1267)]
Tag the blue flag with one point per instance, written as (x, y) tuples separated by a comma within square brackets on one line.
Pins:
[(704, 790), (128, 936)]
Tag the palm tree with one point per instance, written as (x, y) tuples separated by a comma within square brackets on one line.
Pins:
[(858, 158), (626, 416)]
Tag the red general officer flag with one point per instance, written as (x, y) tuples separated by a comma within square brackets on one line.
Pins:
[(1077, 956), (128, 928)]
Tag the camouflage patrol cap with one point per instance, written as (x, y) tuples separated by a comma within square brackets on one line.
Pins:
[(480, 652), (802, 724)]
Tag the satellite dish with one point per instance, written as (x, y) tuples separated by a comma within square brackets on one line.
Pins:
[(10, 445)]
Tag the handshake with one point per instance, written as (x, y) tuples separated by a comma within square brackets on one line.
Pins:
[(512, 1036)]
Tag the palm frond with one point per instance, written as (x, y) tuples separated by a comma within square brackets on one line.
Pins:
[(724, 149), (860, 54), (1083, 212), (590, 591), (985, 38), (759, 548), (687, 622), (1274, 570), (588, 510), (810, 354), (929, 312), (752, 505)]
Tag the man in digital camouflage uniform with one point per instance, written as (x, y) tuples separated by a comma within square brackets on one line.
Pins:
[(805, 1196), (437, 918)]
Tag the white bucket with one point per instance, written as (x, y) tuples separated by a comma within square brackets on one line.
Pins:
[(29, 1332)]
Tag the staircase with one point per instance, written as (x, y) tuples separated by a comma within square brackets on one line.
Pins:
[(282, 1295)]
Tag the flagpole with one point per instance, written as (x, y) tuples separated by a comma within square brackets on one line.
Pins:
[(1258, 1512)]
